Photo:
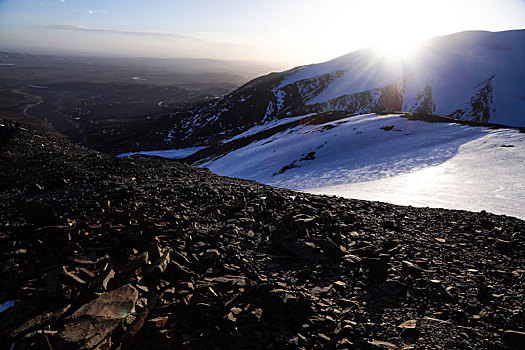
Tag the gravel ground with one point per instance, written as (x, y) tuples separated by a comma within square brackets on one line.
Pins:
[(98, 252)]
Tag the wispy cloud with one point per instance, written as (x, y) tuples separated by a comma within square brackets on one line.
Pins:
[(164, 35), (62, 1)]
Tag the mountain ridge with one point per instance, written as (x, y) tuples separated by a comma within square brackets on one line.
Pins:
[(473, 75)]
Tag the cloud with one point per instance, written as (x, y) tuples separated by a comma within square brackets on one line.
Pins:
[(91, 12), (160, 35), (62, 1)]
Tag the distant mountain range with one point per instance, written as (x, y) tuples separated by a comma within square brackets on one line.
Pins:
[(474, 75)]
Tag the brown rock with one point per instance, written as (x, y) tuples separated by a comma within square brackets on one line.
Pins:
[(158, 322), (410, 324), (93, 322), (115, 304), (87, 332), (382, 344)]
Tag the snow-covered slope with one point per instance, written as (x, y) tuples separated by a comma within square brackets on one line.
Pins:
[(473, 75), (485, 174), (389, 158)]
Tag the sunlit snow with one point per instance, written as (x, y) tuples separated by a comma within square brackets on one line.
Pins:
[(271, 124), (453, 66), (485, 174), (390, 158)]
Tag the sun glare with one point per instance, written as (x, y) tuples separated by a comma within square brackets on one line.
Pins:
[(404, 49)]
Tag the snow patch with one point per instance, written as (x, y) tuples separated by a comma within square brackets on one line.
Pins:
[(169, 153), (280, 95), (258, 128), (6, 305)]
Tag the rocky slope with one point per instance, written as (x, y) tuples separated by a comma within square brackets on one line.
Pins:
[(102, 252)]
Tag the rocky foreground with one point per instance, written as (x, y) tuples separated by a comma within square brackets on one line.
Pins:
[(135, 253)]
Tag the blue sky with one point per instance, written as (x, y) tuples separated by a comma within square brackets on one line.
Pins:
[(288, 31)]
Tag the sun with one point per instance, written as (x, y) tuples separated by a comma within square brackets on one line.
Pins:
[(398, 28), (398, 48)]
